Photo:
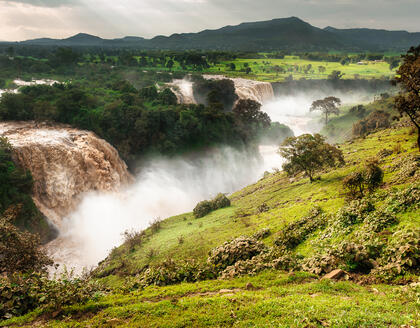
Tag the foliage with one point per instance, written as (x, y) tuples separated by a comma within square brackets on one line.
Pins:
[(133, 238), (207, 91), (296, 232), (15, 193), (262, 234), (19, 250), (402, 255), (203, 208), (249, 118), (376, 120), (206, 206), (408, 77), (309, 154), (328, 106), (170, 272), (370, 178), (21, 293), (242, 248), (275, 134)]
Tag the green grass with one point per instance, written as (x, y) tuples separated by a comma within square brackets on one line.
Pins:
[(262, 69), (277, 299)]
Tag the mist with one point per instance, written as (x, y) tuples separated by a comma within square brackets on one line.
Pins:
[(169, 186), (163, 188)]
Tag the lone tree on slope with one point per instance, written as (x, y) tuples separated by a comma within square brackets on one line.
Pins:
[(408, 77), (309, 154), (327, 106)]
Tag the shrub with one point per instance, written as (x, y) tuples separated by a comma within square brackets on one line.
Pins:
[(262, 234), (133, 238), (206, 206), (401, 256), (20, 250), (370, 178), (378, 221), (242, 248), (373, 175), (220, 201), (263, 208), (170, 272), (203, 208), (408, 168), (296, 232), (20, 293), (347, 255), (354, 184), (376, 120)]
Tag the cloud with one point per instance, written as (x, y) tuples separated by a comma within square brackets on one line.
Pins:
[(44, 3), (23, 19)]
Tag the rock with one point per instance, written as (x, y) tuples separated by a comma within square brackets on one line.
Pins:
[(250, 286), (335, 274)]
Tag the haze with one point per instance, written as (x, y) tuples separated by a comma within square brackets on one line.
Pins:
[(27, 19)]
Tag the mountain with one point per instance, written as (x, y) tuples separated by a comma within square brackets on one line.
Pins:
[(278, 34), (382, 39)]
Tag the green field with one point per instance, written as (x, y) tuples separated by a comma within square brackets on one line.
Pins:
[(264, 69)]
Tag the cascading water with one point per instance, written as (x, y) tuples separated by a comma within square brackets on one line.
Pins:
[(183, 90), (261, 92), (65, 163)]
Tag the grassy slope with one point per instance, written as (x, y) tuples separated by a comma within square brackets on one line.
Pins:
[(281, 299), (339, 128)]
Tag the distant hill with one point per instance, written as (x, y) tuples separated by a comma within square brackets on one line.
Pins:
[(278, 34)]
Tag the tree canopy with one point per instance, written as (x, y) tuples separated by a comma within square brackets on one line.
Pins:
[(309, 154), (408, 78), (328, 106)]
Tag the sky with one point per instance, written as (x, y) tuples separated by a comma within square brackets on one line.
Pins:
[(28, 19)]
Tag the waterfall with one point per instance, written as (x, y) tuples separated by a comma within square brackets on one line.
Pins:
[(261, 92), (183, 90), (65, 163)]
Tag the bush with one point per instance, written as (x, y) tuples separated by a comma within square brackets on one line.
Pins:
[(401, 256), (20, 293), (20, 250), (296, 232), (170, 272), (346, 255), (370, 178), (242, 248), (373, 175), (203, 208), (220, 201), (262, 234), (206, 206), (376, 120), (133, 238), (263, 208)]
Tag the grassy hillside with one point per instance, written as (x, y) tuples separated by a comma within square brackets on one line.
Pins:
[(270, 298)]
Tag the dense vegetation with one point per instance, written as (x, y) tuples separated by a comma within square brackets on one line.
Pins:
[(15, 197)]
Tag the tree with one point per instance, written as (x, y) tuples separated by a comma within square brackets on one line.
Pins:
[(170, 64), (335, 75), (370, 178), (250, 118), (408, 78), (232, 66), (309, 154), (19, 250), (327, 106)]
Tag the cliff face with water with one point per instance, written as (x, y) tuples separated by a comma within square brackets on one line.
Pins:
[(261, 92), (65, 163)]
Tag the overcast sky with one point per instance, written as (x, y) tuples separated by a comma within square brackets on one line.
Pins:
[(26, 19)]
